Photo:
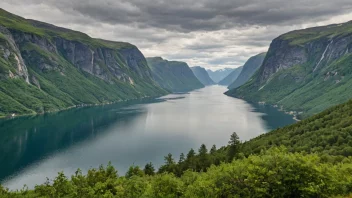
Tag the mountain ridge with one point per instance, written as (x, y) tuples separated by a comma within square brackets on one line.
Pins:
[(219, 74), (229, 79), (45, 68), (249, 68), (202, 75), (305, 71), (174, 76)]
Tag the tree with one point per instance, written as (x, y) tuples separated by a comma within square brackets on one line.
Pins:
[(182, 158), (213, 150), (169, 160), (203, 150), (149, 169), (203, 160), (190, 154), (134, 171), (233, 146)]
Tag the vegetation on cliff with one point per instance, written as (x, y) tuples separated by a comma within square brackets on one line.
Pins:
[(45, 68), (174, 76), (305, 71)]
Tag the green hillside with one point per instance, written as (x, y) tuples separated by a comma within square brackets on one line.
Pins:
[(45, 68), (173, 75), (305, 71)]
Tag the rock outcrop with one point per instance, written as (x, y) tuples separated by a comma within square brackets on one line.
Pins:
[(46, 68), (304, 71)]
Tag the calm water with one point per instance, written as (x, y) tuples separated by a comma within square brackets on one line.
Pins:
[(34, 148)]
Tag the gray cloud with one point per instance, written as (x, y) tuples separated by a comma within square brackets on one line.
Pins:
[(209, 15), (211, 33)]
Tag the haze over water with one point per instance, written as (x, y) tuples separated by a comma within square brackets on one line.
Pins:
[(33, 148)]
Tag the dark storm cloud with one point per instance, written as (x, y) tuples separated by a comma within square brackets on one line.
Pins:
[(208, 15), (210, 33)]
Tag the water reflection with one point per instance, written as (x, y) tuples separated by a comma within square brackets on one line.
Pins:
[(33, 148)]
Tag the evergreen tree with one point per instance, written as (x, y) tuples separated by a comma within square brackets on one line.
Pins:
[(233, 146), (203, 160), (169, 160), (213, 150), (149, 169), (182, 158), (190, 154)]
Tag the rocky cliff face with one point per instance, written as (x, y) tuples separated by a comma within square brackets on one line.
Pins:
[(305, 71), (202, 75), (249, 68), (56, 68), (174, 76)]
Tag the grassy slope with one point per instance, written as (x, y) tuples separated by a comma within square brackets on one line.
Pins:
[(298, 88), (174, 76), (327, 133), (65, 85)]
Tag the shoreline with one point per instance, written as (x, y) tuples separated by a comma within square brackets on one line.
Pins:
[(292, 113), (77, 106)]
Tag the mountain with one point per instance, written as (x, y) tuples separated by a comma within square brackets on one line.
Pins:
[(249, 68), (219, 74), (305, 71), (173, 75), (45, 68), (231, 77), (202, 75)]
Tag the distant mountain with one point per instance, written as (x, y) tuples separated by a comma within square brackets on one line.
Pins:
[(249, 68), (231, 77), (202, 75), (44, 68), (220, 74), (304, 71), (174, 76)]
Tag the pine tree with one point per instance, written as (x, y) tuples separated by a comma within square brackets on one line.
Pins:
[(213, 150), (149, 169), (233, 146)]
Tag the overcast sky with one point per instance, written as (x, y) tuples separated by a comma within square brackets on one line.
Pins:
[(210, 33)]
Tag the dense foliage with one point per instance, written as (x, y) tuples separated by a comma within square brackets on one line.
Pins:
[(274, 173), (328, 133)]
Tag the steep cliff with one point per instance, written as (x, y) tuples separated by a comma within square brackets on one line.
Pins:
[(46, 68), (202, 75), (231, 77), (305, 71), (249, 68), (173, 75), (219, 74)]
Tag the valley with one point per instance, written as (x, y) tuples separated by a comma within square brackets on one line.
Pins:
[(203, 107)]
